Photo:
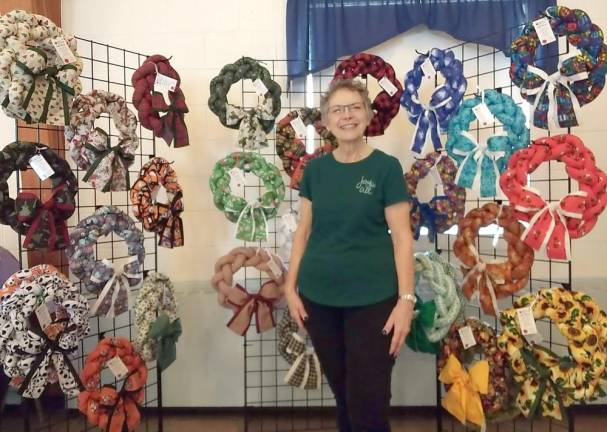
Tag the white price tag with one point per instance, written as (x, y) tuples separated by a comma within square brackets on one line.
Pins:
[(387, 85), (290, 223), (482, 113), (544, 31), (274, 268), (63, 50), (164, 83), (260, 87), (467, 337), (236, 176), (41, 167), (117, 367), (44, 316), (496, 236), (428, 68), (299, 127), (526, 321)]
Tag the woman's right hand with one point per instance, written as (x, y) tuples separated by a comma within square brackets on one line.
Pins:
[(296, 307)]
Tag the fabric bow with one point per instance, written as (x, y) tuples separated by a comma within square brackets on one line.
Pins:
[(252, 224), (463, 398), (101, 155), (428, 216), (171, 225), (251, 134), (428, 119), (417, 339), (166, 333), (173, 122), (305, 371), (246, 305), (123, 410), (479, 270), (117, 285), (46, 220)]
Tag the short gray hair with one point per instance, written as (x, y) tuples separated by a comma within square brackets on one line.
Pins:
[(348, 84)]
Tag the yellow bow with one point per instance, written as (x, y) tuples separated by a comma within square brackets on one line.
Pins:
[(463, 398)]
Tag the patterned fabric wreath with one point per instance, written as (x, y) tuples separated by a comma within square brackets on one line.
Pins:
[(305, 372), (36, 84), (433, 318), (111, 282), (384, 106), (292, 150), (161, 218), (480, 163), (42, 223), (110, 409), (557, 98), (495, 278), (30, 352), (106, 167), (442, 211), (158, 325), (432, 119), (552, 224), (255, 123), (164, 119), (236, 297), (251, 218), (548, 382)]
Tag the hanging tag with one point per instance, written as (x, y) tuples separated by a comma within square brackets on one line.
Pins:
[(299, 127), (44, 316), (41, 167), (63, 50), (544, 31), (427, 68), (496, 236), (526, 321), (482, 113), (288, 219), (117, 367), (260, 87), (164, 83), (274, 268), (387, 85), (236, 176), (467, 337)]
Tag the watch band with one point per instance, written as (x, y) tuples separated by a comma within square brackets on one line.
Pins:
[(408, 297)]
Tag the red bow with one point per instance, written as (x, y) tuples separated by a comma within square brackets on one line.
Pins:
[(246, 305), (173, 125), (171, 225)]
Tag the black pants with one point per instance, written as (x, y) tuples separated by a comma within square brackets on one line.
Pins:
[(353, 354)]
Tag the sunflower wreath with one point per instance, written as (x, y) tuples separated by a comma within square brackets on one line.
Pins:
[(36, 84), (553, 224), (432, 119), (251, 218), (496, 278), (161, 218), (548, 382), (255, 123), (110, 409), (166, 120), (32, 356), (42, 223), (443, 211), (433, 318), (292, 150), (158, 325), (480, 163), (557, 98), (105, 166), (111, 282), (384, 106)]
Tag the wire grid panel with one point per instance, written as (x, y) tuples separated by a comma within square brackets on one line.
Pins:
[(106, 68)]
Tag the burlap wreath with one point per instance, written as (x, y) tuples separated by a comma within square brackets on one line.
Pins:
[(443, 211), (42, 223), (251, 217), (110, 409), (548, 382), (292, 150), (105, 166), (384, 106), (161, 218), (495, 278), (255, 123), (552, 224), (164, 119), (557, 98), (36, 84)]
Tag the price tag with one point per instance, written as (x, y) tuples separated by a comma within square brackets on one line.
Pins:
[(289, 221), (117, 367), (387, 85), (467, 337), (482, 113), (44, 316), (260, 87), (299, 127), (544, 31), (526, 321), (41, 167), (428, 68), (496, 236), (236, 176), (164, 83), (274, 268), (63, 50)]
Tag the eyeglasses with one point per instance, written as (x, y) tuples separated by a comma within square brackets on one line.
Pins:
[(354, 108)]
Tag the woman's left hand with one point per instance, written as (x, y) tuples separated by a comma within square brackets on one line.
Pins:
[(399, 322)]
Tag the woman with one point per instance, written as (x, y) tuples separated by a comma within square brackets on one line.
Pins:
[(350, 282)]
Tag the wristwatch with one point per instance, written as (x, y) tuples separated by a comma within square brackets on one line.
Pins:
[(408, 297)]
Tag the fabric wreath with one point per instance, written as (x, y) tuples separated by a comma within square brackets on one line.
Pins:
[(442, 211), (480, 163), (292, 150), (549, 382), (165, 120), (552, 224), (557, 98), (495, 278), (111, 282), (158, 325), (36, 84), (432, 119), (255, 123), (106, 167), (251, 217), (161, 218), (110, 409), (384, 106), (42, 223), (305, 372)]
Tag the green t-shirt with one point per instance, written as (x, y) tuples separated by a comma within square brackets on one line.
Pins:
[(349, 257)]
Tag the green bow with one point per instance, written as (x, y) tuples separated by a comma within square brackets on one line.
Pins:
[(166, 333), (101, 154), (417, 339)]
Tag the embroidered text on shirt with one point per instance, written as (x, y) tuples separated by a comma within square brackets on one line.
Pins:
[(366, 186)]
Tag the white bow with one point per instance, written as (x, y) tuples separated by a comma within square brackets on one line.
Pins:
[(122, 278), (480, 269)]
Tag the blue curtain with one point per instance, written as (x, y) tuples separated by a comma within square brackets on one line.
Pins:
[(321, 31)]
